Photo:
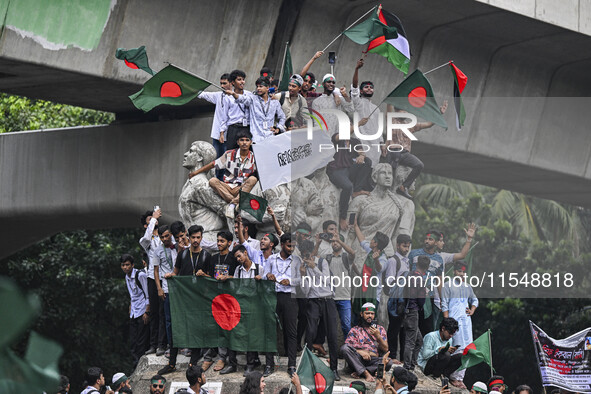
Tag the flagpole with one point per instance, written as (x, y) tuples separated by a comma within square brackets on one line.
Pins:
[(352, 24), (195, 75), (283, 62), (490, 352), (438, 67)]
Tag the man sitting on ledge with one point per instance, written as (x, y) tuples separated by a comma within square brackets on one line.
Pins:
[(239, 172)]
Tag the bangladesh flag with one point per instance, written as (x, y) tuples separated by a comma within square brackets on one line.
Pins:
[(415, 95), (171, 85), (315, 374), (135, 58), (370, 29), (460, 81), (396, 49), (477, 352), (238, 313), (253, 205), (287, 70)]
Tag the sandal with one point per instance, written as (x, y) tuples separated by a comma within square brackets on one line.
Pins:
[(219, 365)]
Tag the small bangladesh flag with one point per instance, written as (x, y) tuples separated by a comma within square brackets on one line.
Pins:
[(287, 70), (396, 49), (315, 374), (135, 58), (253, 205), (238, 313), (477, 352), (460, 81), (370, 29), (415, 95), (171, 85)]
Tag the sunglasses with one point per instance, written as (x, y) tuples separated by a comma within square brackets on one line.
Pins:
[(157, 386)]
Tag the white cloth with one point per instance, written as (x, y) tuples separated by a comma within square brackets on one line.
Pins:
[(284, 269), (237, 113), (262, 115), (256, 256), (150, 243), (318, 285), (220, 116), (455, 299), (363, 106), (139, 297), (166, 258)]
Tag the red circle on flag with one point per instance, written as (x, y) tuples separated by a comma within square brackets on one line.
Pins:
[(226, 311), (417, 97), (254, 204), (471, 346), (320, 383), (130, 64), (170, 89)]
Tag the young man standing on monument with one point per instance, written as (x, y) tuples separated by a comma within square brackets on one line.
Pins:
[(238, 115)]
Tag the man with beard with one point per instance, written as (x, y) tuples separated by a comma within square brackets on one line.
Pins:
[(308, 87), (365, 345), (332, 99), (266, 245), (194, 261), (157, 384), (284, 269), (293, 103), (262, 111), (238, 117), (361, 96)]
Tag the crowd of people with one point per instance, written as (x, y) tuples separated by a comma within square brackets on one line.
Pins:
[(412, 326)]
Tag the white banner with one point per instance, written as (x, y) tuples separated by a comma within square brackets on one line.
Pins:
[(286, 157)]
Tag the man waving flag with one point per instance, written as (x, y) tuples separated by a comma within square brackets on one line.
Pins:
[(395, 49)]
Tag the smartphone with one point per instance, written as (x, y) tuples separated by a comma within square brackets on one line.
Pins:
[(156, 207), (352, 219), (380, 371), (332, 57), (444, 382)]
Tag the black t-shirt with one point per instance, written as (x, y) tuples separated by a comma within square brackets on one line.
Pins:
[(189, 263), (225, 265)]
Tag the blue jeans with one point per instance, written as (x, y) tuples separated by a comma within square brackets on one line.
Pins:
[(344, 309), (219, 150), (167, 318)]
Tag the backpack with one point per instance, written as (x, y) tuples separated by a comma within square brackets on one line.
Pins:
[(329, 259), (139, 284), (256, 271), (384, 277)]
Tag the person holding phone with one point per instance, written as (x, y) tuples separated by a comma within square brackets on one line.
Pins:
[(437, 354), (402, 381)]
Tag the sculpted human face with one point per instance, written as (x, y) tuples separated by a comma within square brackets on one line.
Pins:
[(384, 178), (191, 157)]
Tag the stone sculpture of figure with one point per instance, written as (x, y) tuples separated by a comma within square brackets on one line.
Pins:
[(407, 221), (380, 211), (329, 197), (306, 205), (198, 203)]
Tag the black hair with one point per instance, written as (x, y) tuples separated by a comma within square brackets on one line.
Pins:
[(312, 77), (460, 265), (239, 248), (382, 240), (226, 235), (64, 382), (284, 390), (145, 257), (235, 74), (225, 76), (450, 324), (275, 83), (177, 227), (266, 70), (403, 239), (362, 85), (304, 226), (158, 377), (145, 216), (243, 133), (423, 262), (126, 257), (251, 384), (328, 223), (125, 390), (493, 378), (196, 228), (194, 373), (523, 387), (306, 246), (286, 237), (162, 229), (263, 81), (405, 377), (92, 375)]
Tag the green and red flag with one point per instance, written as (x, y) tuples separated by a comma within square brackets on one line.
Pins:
[(477, 352), (370, 29), (460, 81), (237, 313), (286, 70), (315, 374), (135, 58), (254, 206), (415, 95), (396, 49), (171, 85)]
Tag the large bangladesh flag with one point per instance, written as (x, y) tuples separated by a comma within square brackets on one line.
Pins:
[(315, 374), (415, 95), (171, 85), (477, 352), (238, 314)]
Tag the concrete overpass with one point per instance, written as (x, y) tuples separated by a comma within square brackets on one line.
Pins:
[(526, 100)]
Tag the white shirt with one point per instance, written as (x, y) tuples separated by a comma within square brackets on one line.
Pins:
[(284, 269), (262, 115), (319, 285), (139, 298), (220, 116), (237, 113), (150, 243), (256, 255), (165, 262), (364, 107), (242, 273)]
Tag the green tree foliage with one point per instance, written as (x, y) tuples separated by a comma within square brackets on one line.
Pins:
[(84, 298), (500, 247), (21, 113)]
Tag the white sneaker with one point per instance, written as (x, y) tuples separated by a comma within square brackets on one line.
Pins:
[(230, 211)]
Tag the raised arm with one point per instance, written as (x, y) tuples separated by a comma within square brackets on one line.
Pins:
[(310, 62), (205, 168), (466, 248), (355, 81)]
